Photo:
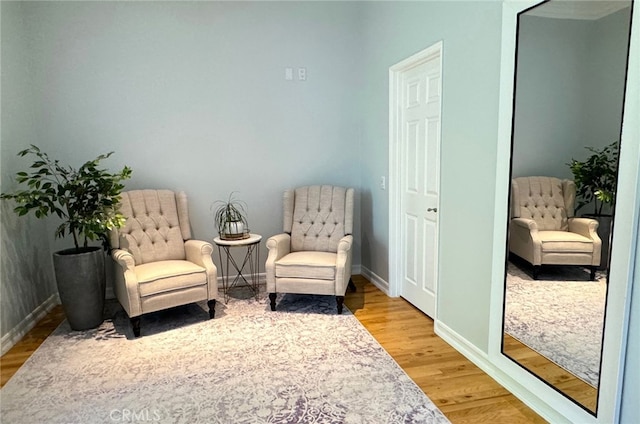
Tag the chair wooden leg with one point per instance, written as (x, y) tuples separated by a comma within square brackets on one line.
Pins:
[(339, 301), (352, 285), (212, 308), (135, 324), (536, 271), (272, 299)]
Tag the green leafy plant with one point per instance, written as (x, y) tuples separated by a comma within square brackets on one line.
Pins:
[(85, 199), (228, 214), (596, 177)]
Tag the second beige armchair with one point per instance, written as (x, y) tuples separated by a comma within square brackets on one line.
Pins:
[(313, 255)]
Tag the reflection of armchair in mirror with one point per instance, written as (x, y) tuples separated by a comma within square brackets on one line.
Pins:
[(543, 230)]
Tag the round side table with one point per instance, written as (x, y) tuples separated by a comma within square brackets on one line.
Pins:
[(251, 259)]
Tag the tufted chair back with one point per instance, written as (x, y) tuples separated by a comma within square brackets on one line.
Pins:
[(317, 217), (547, 200), (157, 224)]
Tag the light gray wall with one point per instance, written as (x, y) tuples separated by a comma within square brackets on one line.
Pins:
[(550, 94), (25, 262), (608, 40), (192, 95), (570, 96), (471, 34)]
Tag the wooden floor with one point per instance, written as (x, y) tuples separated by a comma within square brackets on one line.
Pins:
[(555, 375), (18, 354), (460, 389)]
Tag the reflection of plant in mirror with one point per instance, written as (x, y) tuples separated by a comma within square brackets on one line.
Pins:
[(595, 177)]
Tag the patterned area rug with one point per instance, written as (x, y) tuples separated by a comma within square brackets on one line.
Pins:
[(300, 364), (560, 316)]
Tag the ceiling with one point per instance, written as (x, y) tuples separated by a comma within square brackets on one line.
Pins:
[(578, 9)]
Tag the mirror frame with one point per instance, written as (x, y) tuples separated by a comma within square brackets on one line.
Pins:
[(593, 399), (547, 402)]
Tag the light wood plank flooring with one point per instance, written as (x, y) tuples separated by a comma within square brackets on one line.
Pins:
[(18, 354), (460, 389), (557, 376)]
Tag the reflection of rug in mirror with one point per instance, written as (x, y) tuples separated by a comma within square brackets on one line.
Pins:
[(302, 363), (560, 316)]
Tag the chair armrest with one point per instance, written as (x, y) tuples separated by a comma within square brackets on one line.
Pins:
[(279, 246), (125, 283), (588, 228), (525, 223), (124, 259), (199, 252), (343, 264), (344, 245), (585, 227), (524, 240)]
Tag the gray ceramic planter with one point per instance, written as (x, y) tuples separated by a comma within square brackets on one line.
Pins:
[(605, 225), (81, 283)]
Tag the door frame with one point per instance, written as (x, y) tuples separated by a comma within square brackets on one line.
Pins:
[(396, 250)]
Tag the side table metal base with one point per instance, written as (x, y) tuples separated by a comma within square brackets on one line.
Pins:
[(251, 260)]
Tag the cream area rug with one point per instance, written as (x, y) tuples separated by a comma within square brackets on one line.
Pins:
[(300, 364), (560, 316)]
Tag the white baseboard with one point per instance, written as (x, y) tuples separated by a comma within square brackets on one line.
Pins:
[(262, 279), (377, 281), (18, 332), (461, 344)]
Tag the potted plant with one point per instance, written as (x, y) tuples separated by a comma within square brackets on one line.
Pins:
[(596, 181), (86, 200), (596, 178), (230, 219)]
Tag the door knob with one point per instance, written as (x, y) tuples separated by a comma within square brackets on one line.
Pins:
[(432, 210)]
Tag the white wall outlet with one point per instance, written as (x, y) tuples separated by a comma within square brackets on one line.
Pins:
[(302, 74), (288, 74), (383, 183)]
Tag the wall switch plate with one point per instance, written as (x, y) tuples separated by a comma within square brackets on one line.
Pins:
[(288, 74), (302, 74), (383, 183)]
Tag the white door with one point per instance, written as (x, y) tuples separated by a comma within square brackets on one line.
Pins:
[(418, 174)]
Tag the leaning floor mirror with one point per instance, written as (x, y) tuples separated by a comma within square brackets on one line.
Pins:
[(571, 66)]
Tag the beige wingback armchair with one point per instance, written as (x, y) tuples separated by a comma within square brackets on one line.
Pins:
[(158, 266), (543, 230), (313, 255)]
